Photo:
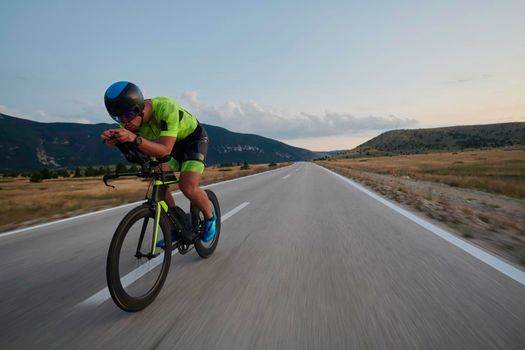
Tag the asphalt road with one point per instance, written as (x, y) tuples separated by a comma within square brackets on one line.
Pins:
[(310, 263)]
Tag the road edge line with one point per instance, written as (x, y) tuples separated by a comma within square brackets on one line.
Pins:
[(36, 227), (483, 256)]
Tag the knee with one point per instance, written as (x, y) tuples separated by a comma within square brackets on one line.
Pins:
[(188, 189)]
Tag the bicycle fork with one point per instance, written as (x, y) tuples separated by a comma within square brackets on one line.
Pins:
[(157, 207)]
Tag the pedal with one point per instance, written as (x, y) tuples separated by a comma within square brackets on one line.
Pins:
[(183, 248), (149, 256)]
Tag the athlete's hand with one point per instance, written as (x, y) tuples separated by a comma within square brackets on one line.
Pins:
[(109, 137), (123, 135)]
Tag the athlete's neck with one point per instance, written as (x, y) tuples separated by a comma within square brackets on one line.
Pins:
[(148, 110)]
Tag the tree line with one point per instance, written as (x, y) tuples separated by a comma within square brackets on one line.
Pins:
[(45, 173)]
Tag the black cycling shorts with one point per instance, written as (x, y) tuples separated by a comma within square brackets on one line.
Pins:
[(193, 147)]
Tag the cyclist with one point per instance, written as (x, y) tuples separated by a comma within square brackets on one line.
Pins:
[(177, 133)]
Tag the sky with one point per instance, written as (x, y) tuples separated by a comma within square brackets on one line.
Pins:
[(320, 75)]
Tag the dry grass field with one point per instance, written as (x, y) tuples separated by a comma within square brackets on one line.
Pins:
[(479, 195), (494, 171), (25, 203)]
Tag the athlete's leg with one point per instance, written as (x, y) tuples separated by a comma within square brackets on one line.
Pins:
[(189, 185), (169, 197)]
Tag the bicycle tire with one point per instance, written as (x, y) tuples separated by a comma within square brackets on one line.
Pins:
[(205, 250), (117, 290)]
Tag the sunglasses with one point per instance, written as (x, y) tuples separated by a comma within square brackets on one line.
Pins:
[(126, 116)]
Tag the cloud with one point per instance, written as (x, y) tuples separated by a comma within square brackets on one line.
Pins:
[(44, 117), (91, 109), (246, 117), (469, 79), (250, 117), (10, 111), (88, 112), (21, 77)]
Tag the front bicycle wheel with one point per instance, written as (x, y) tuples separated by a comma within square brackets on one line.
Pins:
[(135, 270), (205, 249)]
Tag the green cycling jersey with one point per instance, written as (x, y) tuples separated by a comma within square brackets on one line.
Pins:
[(169, 119)]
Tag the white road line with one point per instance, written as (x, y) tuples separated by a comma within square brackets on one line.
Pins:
[(25, 229), (5, 234), (287, 176), (234, 211), (103, 295), (476, 252)]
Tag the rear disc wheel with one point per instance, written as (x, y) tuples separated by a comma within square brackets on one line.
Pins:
[(206, 249)]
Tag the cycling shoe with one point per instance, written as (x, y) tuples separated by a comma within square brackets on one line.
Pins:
[(210, 227)]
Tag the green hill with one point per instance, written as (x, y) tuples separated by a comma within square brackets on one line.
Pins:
[(26, 145), (456, 138)]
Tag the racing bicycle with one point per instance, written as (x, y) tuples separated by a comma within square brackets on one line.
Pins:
[(137, 265)]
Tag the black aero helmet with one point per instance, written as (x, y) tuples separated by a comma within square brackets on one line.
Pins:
[(122, 97)]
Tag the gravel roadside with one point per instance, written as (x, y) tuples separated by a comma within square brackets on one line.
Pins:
[(494, 222)]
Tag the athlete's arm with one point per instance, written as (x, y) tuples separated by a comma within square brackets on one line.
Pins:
[(158, 150), (155, 149)]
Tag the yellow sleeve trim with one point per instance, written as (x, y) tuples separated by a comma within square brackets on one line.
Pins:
[(168, 133)]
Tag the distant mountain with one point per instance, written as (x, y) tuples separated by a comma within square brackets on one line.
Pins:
[(26, 145), (454, 138)]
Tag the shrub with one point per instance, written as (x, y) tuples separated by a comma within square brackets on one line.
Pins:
[(272, 164), (63, 173), (35, 177), (45, 174), (121, 168), (78, 173), (484, 218), (90, 171), (468, 234), (245, 166)]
